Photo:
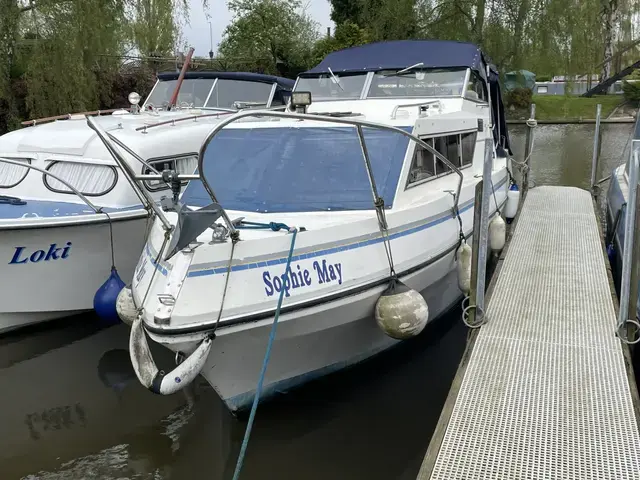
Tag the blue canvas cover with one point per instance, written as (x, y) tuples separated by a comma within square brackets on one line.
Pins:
[(400, 54), (291, 169)]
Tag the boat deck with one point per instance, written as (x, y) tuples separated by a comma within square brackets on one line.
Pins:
[(545, 389)]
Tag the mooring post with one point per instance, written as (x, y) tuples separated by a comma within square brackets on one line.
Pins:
[(480, 242), (528, 147), (627, 320), (595, 158), (632, 330)]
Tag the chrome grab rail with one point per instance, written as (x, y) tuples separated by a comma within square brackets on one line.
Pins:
[(323, 118), (129, 173), (173, 121), (223, 111), (394, 112), (132, 153)]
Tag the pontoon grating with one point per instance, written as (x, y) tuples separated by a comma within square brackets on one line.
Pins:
[(546, 393)]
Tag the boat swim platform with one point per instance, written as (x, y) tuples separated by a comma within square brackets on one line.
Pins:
[(545, 388)]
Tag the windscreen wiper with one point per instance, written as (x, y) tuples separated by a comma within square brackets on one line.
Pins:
[(404, 70)]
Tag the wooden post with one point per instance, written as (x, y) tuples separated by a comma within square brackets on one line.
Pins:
[(185, 67)]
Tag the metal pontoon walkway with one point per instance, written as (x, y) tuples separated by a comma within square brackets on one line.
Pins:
[(546, 391)]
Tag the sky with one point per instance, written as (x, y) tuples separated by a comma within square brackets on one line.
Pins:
[(198, 33)]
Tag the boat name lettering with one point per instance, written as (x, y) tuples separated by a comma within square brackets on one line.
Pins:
[(298, 277), (53, 253)]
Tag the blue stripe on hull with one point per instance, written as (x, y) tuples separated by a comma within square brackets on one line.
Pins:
[(194, 272), (53, 209)]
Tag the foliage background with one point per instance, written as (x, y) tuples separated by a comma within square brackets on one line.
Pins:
[(60, 56)]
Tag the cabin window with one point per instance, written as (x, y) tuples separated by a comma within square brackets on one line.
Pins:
[(543, 89), (476, 89), (468, 147), (88, 179), (182, 165), (423, 165), (10, 174), (458, 149)]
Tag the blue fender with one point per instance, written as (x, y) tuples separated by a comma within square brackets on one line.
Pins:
[(104, 301)]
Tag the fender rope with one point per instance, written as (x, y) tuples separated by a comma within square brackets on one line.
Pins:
[(265, 363), (275, 226)]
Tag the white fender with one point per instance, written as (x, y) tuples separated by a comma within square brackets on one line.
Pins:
[(497, 233), (464, 267), (156, 380)]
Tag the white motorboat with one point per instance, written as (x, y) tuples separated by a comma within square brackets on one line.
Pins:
[(68, 215), (617, 197), (371, 185)]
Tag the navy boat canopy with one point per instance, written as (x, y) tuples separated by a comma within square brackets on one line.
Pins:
[(400, 54)]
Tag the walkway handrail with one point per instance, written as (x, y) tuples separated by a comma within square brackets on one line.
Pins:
[(323, 118), (635, 136), (629, 263), (61, 180)]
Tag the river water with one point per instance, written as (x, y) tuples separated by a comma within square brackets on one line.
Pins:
[(71, 407)]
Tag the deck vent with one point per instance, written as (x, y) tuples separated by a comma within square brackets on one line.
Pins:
[(480, 125)]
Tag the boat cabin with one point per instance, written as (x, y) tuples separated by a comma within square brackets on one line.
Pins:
[(446, 93)]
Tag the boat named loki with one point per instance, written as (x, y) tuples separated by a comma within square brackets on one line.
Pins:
[(68, 215), (363, 189)]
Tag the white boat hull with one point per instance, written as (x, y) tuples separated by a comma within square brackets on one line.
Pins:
[(312, 343), (38, 287)]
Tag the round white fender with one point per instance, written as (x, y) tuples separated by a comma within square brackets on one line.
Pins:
[(464, 267), (156, 380)]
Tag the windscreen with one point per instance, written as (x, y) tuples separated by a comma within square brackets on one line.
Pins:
[(193, 92), (417, 83), (298, 169), (333, 87), (233, 93)]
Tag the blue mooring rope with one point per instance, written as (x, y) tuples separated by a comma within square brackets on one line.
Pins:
[(265, 363), (275, 226)]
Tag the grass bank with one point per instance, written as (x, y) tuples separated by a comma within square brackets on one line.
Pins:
[(561, 107)]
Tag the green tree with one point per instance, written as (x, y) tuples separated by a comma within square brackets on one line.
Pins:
[(9, 27), (273, 30), (347, 11), (346, 35), (59, 56), (390, 19), (153, 27)]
